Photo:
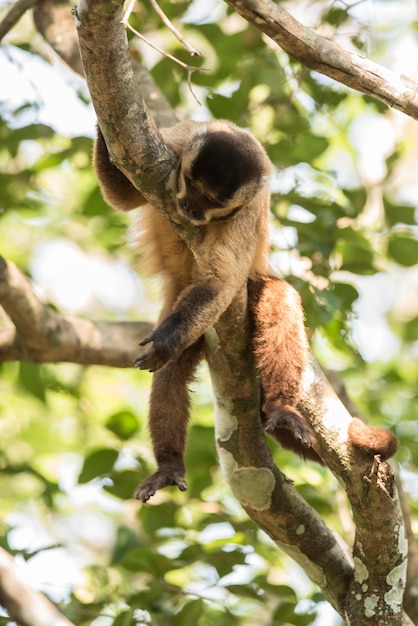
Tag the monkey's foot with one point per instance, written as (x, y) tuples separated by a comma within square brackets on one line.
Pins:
[(289, 428), (161, 478), (282, 416)]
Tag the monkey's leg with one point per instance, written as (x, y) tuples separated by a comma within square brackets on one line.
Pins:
[(168, 418), (281, 350)]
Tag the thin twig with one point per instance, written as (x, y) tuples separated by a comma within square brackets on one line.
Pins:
[(192, 51), (170, 26), (128, 12), (189, 68)]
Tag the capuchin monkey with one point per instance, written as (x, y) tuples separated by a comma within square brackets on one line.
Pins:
[(221, 187)]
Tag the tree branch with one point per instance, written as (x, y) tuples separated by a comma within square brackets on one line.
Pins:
[(261, 488), (327, 57), (42, 335), (13, 16), (25, 605), (380, 548), (130, 132)]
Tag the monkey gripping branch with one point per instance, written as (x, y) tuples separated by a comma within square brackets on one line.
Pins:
[(376, 570)]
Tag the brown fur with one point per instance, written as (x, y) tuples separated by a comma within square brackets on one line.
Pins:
[(281, 350), (221, 187), (373, 441)]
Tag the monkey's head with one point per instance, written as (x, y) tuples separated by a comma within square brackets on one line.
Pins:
[(221, 171)]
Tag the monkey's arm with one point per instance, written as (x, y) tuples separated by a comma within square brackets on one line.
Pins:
[(117, 190)]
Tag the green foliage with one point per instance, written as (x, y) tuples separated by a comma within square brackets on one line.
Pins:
[(74, 440)]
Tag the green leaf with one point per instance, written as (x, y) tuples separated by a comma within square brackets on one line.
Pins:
[(356, 252), (403, 248), (126, 541), (124, 484), (399, 213), (295, 150), (189, 614), (410, 330), (30, 379), (98, 463), (124, 424), (286, 614), (347, 294), (146, 560)]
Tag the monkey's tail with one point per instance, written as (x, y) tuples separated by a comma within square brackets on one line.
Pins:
[(372, 440)]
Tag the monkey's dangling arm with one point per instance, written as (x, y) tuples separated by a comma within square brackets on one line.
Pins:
[(168, 418)]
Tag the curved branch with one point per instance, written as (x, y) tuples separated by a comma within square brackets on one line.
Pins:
[(55, 23), (25, 605), (380, 548), (261, 488), (327, 57), (42, 335), (130, 132)]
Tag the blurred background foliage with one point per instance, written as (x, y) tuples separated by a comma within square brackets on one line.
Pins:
[(74, 440)]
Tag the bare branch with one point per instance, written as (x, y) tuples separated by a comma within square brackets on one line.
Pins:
[(41, 335), (327, 57), (13, 16), (25, 605), (411, 592), (380, 547), (55, 23)]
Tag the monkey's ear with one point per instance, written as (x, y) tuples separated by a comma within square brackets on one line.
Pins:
[(117, 190)]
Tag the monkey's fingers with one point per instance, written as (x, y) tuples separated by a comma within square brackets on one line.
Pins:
[(161, 478), (148, 339), (149, 362), (143, 363), (156, 357)]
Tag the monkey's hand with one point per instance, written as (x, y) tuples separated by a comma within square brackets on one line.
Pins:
[(166, 345), (161, 478), (157, 356)]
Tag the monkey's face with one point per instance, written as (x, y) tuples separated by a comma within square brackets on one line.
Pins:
[(198, 203), (219, 172)]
